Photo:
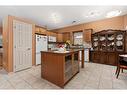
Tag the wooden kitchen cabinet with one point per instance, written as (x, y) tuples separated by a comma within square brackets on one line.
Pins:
[(40, 30), (48, 33), (66, 36), (109, 58), (102, 57), (87, 35), (95, 57), (112, 58), (59, 37)]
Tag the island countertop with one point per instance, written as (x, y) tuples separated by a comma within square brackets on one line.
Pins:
[(66, 52)]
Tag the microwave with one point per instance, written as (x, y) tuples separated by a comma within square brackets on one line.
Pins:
[(51, 39)]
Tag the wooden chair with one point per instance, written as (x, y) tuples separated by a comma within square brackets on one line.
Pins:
[(121, 65)]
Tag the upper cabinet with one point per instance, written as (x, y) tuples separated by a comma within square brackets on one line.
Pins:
[(59, 37), (51, 34), (87, 35), (66, 36), (40, 30)]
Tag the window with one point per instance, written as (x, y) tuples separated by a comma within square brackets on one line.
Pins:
[(78, 38)]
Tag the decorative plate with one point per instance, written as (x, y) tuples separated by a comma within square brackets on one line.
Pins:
[(102, 38), (95, 44), (119, 43), (119, 37), (95, 38)]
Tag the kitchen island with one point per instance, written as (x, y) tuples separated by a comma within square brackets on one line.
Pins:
[(60, 67)]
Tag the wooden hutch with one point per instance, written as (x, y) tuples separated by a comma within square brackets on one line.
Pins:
[(107, 45)]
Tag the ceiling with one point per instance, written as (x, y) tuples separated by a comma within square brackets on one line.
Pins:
[(54, 17)]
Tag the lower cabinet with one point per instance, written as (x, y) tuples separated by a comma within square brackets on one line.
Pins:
[(109, 58), (95, 57), (102, 58)]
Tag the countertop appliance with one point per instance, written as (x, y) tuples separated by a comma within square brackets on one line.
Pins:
[(41, 45)]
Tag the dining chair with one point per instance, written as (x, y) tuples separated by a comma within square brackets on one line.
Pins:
[(122, 64)]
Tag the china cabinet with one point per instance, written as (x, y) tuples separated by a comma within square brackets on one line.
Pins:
[(107, 45)]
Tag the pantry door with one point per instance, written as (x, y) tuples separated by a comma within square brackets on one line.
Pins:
[(22, 45)]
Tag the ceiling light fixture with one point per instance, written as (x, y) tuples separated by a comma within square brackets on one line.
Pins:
[(55, 17), (113, 13)]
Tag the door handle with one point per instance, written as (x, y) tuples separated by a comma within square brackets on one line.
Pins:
[(28, 49)]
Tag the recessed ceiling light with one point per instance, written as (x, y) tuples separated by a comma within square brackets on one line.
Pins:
[(55, 17), (73, 22), (93, 14), (113, 13)]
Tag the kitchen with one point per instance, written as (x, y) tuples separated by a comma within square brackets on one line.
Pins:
[(28, 45)]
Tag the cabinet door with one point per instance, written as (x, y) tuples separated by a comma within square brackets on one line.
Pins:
[(59, 37), (96, 57), (111, 58), (48, 33), (36, 29), (103, 57), (66, 36), (42, 31), (87, 35)]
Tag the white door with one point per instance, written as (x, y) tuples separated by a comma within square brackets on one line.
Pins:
[(22, 45)]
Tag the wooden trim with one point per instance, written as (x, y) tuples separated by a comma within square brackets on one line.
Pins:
[(41, 34), (40, 27)]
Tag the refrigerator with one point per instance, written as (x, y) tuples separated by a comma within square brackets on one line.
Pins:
[(86, 55), (41, 45)]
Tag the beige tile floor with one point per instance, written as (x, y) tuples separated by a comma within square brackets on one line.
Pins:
[(93, 76)]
